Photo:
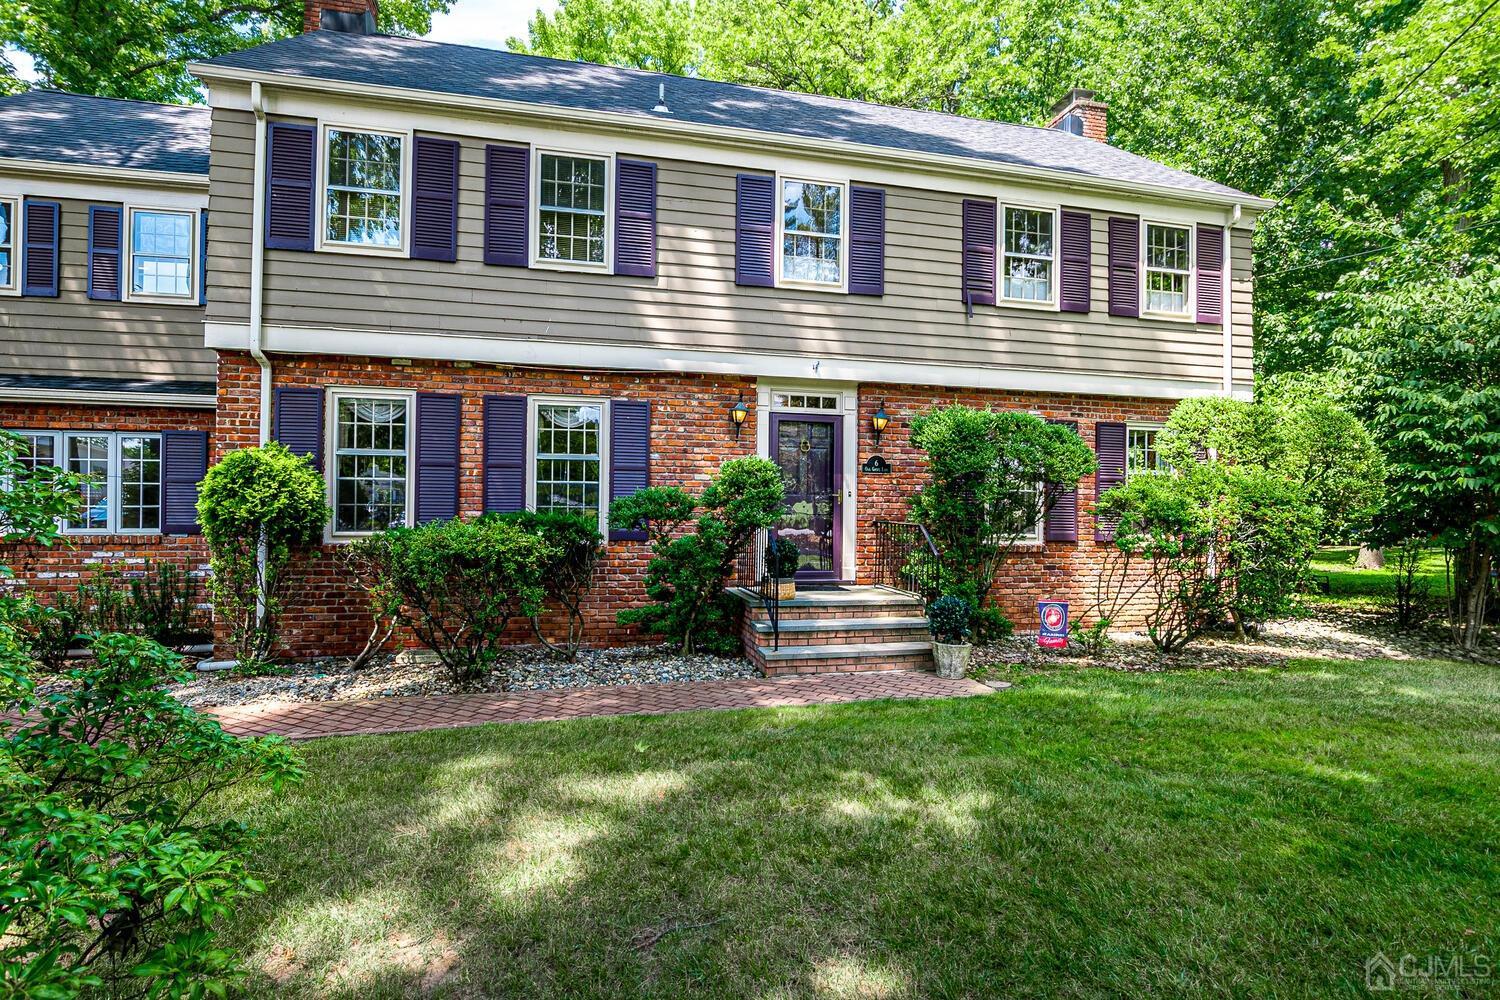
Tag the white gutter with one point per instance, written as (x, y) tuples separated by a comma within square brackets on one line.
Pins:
[(98, 174), (258, 260)]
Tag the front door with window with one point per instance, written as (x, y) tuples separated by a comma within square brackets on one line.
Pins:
[(809, 450)]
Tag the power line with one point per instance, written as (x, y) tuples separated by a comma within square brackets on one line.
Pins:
[(1362, 253)]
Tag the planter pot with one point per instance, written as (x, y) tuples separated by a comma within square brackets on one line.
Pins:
[(786, 590), (952, 660)]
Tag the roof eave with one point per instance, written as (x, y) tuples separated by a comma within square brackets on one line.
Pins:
[(729, 135), (88, 171)]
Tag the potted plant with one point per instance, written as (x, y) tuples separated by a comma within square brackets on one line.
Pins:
[(782, 557), (948, 618)]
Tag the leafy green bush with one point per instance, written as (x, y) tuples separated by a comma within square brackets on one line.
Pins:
[(48, 632), (364, 560), (164, 604), (688, 570), (459, 583), (113, 881), (948, 619), (264, 499), (1268, 534), (34, 502), (782, 558), (577, 546)]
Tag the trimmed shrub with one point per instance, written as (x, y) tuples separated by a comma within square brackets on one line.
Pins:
[(948, 619), (782, 558), (576, 546)]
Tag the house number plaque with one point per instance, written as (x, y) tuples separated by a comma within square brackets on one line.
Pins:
[(875, 464)]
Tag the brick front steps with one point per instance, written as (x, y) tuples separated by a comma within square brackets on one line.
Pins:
[(837, 630)]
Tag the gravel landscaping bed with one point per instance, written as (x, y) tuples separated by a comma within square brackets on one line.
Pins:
[(528, 668)]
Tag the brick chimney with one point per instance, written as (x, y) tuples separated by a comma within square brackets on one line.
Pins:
[(1080, 114), (356, 17)]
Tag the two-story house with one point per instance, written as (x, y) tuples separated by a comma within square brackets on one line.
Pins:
[(467, 280)]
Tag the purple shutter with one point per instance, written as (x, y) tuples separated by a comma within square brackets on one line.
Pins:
[(106, 235), (1210, 289), (629, 456), (507, 171), (504, 453), (1124, 266), (1109, 449), (635, 218), (434, 199), (866, 241), (978, 253), (203, 257), (297, 416), (184, 463), (290, 185), (438, 418), (42, 224), (1062, 518), (1077, 262), (754, 230)]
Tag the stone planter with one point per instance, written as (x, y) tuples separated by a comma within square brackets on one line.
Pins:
[(952, 659), (786, 590)]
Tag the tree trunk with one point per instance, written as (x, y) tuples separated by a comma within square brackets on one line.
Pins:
[(1477, 598), (1370, 558)]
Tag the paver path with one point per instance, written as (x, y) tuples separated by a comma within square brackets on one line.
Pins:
[(305, 720)]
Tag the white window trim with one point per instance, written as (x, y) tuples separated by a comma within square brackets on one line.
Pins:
[(1052, 303), (113, 487), (789, 408), (330, 453), (1139, 426), (779, 205), (533, 421), (322, 161), (1190, 315), (534, 231), (127, 276), (14, 288)]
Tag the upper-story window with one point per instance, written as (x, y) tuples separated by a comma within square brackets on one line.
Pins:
[(1168, 270), (1029, 254), (572, 209), (362, 189), (7, 245), (371, 460), (162, 254), (812, 232)]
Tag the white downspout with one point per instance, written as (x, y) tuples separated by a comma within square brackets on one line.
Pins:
[(1228, 293), (258, 260)]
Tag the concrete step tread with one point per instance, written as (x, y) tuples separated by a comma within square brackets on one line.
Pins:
[(841, 624), (846, 651), (862, 598)]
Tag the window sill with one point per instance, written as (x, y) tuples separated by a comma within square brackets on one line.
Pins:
[(813, 286), (579, 267), (1165, 317), (157, 300), (363, 251), (1030, 304)]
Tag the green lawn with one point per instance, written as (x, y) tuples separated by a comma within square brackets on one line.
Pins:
[(1087, 833), (1368, 586)]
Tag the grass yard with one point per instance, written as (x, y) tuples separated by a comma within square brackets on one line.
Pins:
[(1087, 833), (1348, 585)]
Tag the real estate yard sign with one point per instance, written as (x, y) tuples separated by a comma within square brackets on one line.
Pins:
[(1054, 619)]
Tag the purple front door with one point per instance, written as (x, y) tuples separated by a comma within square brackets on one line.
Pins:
[(809, 449)]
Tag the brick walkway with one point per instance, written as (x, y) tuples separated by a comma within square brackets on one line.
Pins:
[(305, 720)]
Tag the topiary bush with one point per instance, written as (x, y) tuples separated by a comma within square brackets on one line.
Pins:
[(258, 507), (948, 619), (695, 542), (576, 546), (782, 558)]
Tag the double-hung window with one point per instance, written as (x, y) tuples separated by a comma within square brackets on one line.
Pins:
[(812, 233), (362, 191), (572, 209), (40, 449), (9, 214), (1168, 272), (568, 470), (162, 254), (1029, 263), (1141, 454), (371, 461)]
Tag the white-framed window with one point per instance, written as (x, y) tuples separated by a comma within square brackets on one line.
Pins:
[(162, 255), (1141, 454), (567, 456), (364, 179), (370, 462), (1167, 277), (10, 246), (804, 401), (1029, 255), (812, 233), (573, 195), (123, 493), (42, 449)]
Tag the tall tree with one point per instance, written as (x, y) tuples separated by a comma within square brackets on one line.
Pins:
[(140, 48)]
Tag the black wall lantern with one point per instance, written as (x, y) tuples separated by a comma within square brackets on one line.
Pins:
[(737, 415), (878, 421)]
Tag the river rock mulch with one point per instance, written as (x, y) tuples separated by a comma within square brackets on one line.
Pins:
[(527, 668), (1336, 633)]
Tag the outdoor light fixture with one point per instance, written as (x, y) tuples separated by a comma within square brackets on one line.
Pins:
[(878, 421), (737, 415)]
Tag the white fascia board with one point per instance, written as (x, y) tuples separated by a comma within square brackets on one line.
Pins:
[(809, 368), (103, 176), (470, 115), (106, 397), (79, 188)]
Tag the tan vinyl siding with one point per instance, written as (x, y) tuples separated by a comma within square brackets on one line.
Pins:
[(694, 302), (73, 335)]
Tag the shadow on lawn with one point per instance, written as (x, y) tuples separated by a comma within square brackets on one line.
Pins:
[(1117, 843)]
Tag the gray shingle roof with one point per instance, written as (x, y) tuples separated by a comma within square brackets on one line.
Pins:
[(104, 131), (416, 64), (86, 383)]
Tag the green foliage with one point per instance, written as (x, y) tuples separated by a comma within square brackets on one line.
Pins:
[(48, 632), (782, 558), (113, 881), (1231, 430), (141, 48), (460, 583), (258, 498), (1409, 589), (948, 618), (695, 543), (983, 493), (35, 502), (1093, 639), (576, 546), (1269, 531), (164, 604)]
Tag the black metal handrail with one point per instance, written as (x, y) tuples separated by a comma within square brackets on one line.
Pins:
[(906, 559)]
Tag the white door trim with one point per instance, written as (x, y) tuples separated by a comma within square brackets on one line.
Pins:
[(848, 408)]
